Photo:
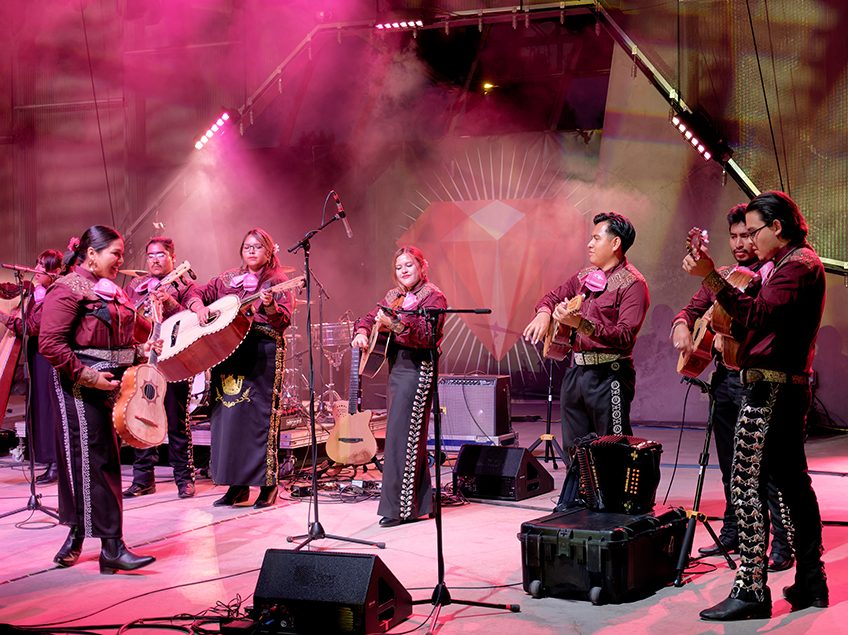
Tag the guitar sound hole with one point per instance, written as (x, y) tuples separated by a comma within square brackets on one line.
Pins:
[(149, 392), (213, 315)]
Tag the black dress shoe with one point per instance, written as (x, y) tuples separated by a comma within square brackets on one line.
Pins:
[(390, 522), (114, 556), (139, 490), (780, 563), (267, 496), (69, 552), (185, 490), (713, 550), (51, 475), (235, 494), (801, 598), (731, 609)]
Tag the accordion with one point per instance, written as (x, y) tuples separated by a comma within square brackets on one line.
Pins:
[(615, 473)]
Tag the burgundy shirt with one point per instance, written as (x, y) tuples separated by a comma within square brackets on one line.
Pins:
[(221, 285), (612, 317), (182, 290), (74, 318), (783, 318), (416, 328)]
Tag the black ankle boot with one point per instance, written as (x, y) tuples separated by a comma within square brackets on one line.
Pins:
[(69, 553), (740, 606), (114, 556), (235, 494), (267, 496), (51, 475)]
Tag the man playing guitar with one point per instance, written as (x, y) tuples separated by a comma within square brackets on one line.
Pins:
[(600, 384), (160, 262), (727, 392)]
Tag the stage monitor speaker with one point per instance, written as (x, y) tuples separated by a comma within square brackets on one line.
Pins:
[(502, 473), (322, 592), (474, 405)]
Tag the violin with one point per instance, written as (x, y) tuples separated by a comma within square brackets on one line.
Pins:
[(12, 290)]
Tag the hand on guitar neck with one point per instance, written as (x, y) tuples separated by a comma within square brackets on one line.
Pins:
[(698, 261)]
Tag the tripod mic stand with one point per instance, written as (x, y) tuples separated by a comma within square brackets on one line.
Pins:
[(34, 502), (694, 515), (441, 595), (552, 446), (316, 530)]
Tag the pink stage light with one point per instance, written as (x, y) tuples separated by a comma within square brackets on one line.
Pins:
[(213, 129)]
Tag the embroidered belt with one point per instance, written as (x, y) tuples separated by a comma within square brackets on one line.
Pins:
[(753, 375), (590, 358), (117, 356)]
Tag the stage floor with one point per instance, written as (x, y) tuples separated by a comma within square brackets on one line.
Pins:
[(209, 556)]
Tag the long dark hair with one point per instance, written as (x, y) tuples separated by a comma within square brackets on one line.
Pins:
[(98, 237), (51, 259)]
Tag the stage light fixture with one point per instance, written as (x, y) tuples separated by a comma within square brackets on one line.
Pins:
[(700, 135), (399, 25), (213, 129)]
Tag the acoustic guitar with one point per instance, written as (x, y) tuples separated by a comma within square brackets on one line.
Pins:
[(351, 441), (190, 348), (142, 324), (375, 355), (139, 414), (723, 324), (694, 363), (557, 343)]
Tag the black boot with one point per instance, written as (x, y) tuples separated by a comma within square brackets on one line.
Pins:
[(235, 494), (267, 496), (114, 556), (51, 475), (69, 553), (740, 606)]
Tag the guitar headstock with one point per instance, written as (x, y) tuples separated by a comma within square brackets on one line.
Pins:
[(176, 273), (696, 241)]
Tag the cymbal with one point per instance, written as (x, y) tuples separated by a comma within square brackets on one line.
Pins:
[(287, 269), (133, 273), (299, 302)]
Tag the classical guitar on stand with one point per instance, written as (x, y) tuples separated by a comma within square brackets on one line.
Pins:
[(351, 441), (139, 414), (190, 348)]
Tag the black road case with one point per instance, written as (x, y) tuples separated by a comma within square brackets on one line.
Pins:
[(599, 556)]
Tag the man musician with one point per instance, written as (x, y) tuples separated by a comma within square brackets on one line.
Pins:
[(727, 391), (174, 297), (780, 322), (598, 388)]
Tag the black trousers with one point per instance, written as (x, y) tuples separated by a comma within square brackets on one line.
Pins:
[(597, 399), (180, 454), (769, 445), (728, 392)]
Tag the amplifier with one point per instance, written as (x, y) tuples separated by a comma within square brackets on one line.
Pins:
[(474, 406)]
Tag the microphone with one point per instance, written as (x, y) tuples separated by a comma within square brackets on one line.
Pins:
[(341, 213), (20, 268)]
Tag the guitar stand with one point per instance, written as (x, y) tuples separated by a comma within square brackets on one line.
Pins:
[(694, 515), (441, 595), (552, 447), (315, 530), (34, 502)]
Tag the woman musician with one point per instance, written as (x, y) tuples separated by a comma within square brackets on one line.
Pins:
[(42, 409), (406, 493), (87, 335), (247, 386)]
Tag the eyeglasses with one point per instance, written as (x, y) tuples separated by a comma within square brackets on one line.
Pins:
[(156, 255), (753, 233), (252, 248)]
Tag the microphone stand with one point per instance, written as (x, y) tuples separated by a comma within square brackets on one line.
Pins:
[(315, 530), (34, 502), (441, 595), (552, 446), (694, 515)]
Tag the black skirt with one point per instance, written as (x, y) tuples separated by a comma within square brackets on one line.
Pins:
[(407, 492), (245, 395)]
